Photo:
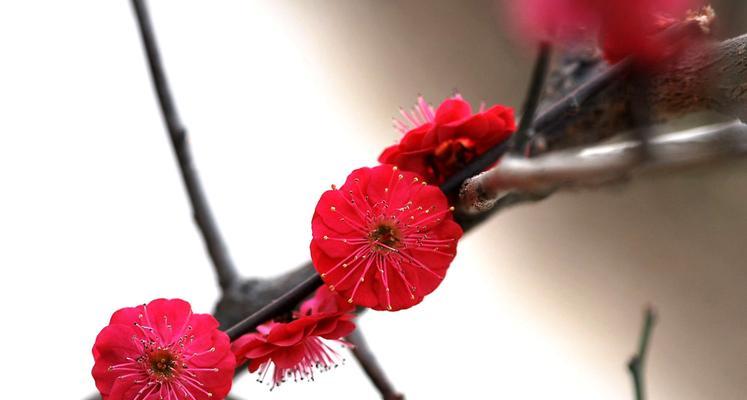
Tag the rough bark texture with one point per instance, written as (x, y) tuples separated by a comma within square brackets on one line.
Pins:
[(249, 295), (708, 75)]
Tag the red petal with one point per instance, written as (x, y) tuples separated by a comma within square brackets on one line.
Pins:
[(452, 110), (288, 357), (168, 317)]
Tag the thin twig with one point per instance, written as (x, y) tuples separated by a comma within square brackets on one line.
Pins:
[(282, 304), (371, 366), (637, 362), (531, 102), (224, 268)]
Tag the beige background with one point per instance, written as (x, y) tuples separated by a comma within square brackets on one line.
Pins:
[(282, 98)]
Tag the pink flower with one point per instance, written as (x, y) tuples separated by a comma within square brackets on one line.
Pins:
[(437, 144), (629, 28), (296, 348), (622, 27), (162, 351), (554, 19), (384, 239)]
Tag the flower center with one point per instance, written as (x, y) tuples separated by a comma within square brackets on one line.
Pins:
[(452, 155), (385, 236), (163, 363)]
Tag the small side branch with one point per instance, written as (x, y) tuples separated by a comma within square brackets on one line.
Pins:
[(602, 164), (531, 103), (224, 268), (637, 362), (371, 366)]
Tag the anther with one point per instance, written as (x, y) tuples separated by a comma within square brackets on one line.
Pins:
[(333, 209), (326, 237)]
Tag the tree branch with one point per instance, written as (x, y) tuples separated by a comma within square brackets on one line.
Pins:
[(281, 305), (637, 362), (706, 76), (532, 100), (371, 366), (227, 276), (562, 111), (224, 268), (602, 164)]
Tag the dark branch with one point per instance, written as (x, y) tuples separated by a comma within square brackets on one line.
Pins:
[(531, 103), (371, 366), (637, 362), (281, 305), (203, 217), (249, 295)]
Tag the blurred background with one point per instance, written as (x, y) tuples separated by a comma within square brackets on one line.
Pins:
[(283, 98)]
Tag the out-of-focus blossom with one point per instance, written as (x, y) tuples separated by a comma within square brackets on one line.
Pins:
[(622, 27)]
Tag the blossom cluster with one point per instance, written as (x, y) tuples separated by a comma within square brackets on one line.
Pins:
[(383, 240)]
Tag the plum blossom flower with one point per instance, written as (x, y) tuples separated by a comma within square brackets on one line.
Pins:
[(296, 348), (162, 351), (438, 143), (384, 239), (622, 27)]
